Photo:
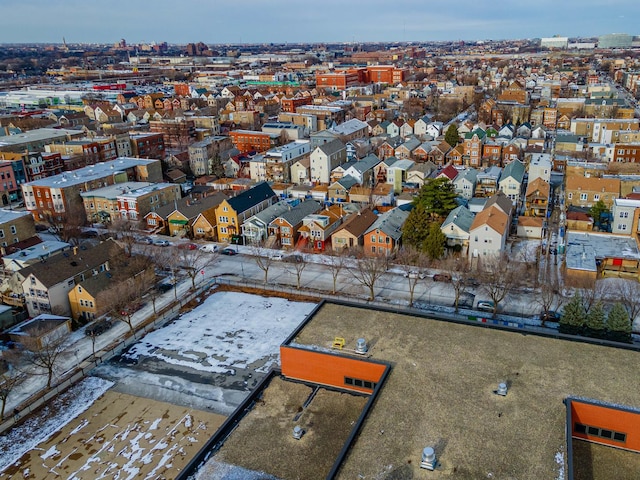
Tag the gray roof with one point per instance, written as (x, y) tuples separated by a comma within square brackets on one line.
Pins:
[(490, 173), (38, 135), (390, 223), (347, 182), (461, 217), (294, 215), (584, 248), (349, 127), (332, 147), (389, 161), (502, 201), (426, 167), (366, 163), (514, 169), (403, 164), (191, 207), (91, 172), (411, 144), (270, 213), (471, 175), (7, 216)]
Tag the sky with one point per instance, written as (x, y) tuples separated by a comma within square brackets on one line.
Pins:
[(281, 21)]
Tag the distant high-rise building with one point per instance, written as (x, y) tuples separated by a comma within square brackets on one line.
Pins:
[(554, 42), (615, 40)]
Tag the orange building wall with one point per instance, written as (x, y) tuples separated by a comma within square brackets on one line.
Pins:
[(327, 369), (614, 419)]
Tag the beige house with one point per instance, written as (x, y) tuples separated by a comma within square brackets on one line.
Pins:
[(351, 233), (530, 227)]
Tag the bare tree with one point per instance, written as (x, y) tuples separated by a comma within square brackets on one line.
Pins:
[(550, 298), (121, 300), (368, 270), (628, 294), (591, 293), (459, 269), (499, 274), (263, 260), (336, 263), (8, 381), (124, 231), (44, 352), (411, 260), (298, 265), (194, 262)]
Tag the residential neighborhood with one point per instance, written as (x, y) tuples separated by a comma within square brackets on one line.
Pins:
[(227, 229)]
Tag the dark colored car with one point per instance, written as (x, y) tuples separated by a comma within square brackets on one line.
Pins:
[(550, 316), (164, 287), (295, 258), (228, 251), (97, 328), (442, 277)]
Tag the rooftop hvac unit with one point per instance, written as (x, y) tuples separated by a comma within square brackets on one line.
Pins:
[(361, 346), (298, 432), (502, 389), (428, 458)]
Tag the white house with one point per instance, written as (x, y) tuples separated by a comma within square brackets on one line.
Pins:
[(488, 233), (324, 158), (540, 167)]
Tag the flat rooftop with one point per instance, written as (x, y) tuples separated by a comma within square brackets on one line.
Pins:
[(7, 216), (89, 173), (126, 189), (440, 393), (263, 441), (583, 248)]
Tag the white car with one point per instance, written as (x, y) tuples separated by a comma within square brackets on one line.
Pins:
[(276, 256), (209, 248)]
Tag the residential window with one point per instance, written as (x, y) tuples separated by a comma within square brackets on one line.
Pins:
[(373, 249), (1, 233), (223, 229), (224, 219), (373, 239), (13, 229), (570, 196), (596, 197), (583, 196)]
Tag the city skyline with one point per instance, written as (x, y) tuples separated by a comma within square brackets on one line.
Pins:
[(283, 21)]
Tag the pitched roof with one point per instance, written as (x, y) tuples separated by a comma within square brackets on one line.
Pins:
[(515, 170), (331, 147), (295, 214), (531, 221), (68, 264), (358, 223), (449, 171), (500, 200), (347, 182), (538, 185), (592, 184), (366, 163), (461, 217), (390, 223), (190, 207), (251, 197), (492, 217)]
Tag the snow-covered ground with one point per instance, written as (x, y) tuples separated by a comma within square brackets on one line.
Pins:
[(50, 419), (228, 330)]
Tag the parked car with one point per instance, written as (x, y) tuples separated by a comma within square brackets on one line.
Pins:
[(550, 316), (276, 256), (97, 328), (485, 305), (161, 243), (90, 234), (228, 251), (145, 240), (164, 287), (209, 248), (442, 277), (414, 274), (472, 282), (294, 258), (187, 246)]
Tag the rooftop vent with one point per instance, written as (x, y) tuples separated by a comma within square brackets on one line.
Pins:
[(361, 346), (298, 432), (429, 460), (502, 389)]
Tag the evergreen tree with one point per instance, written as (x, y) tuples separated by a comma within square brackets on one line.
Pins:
[(596, 321), (598, 210), (573, 316), (619, 324), (438, 197), (451, 136), (433, 245), (416, 228)]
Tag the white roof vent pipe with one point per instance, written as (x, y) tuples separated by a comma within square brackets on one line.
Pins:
[(429, 460), (502, 389), (361, 346), (298, 432)]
